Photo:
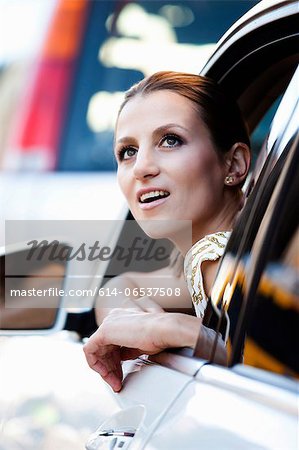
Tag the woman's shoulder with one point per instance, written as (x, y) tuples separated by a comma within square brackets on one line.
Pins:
[(210, 248), (211, 244)]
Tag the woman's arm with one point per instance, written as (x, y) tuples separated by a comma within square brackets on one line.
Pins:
[(127, 334), (159, 283)]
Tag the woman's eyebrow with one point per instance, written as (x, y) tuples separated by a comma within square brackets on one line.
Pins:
[(166, 127), (157, 131), (124, 139)]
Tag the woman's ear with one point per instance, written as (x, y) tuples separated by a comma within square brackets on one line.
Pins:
[(237, 161)]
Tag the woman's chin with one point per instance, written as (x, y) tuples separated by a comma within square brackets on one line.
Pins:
[(174, 230)]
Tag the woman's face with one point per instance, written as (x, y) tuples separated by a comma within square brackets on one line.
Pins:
[(168, 168)]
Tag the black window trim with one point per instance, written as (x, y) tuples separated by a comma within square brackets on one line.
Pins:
[(260, 258)]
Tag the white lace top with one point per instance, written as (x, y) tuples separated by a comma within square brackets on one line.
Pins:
[(209, 248)]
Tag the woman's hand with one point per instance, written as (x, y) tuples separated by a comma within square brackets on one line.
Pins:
[(127, 334), (124, 334)]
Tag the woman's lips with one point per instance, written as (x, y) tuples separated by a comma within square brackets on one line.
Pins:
[(151, 197), (152, 204)]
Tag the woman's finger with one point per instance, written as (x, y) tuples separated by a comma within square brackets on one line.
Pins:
[(105, 360)]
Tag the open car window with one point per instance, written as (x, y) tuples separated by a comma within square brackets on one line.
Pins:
[(255, 296)]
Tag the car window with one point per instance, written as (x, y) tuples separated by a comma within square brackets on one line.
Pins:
[(271, 340), (248, 281), (259, 134), (255, 67)]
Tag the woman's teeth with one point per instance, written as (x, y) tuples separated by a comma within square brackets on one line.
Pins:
[(153, 195)]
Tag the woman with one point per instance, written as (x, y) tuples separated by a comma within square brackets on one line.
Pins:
[(183, 154)]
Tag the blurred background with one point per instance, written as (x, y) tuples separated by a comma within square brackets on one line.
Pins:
[(64, 66)]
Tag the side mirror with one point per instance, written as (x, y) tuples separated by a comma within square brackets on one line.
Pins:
[(31, 291)]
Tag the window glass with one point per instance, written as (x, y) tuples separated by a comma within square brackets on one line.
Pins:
[(272, 337), (258, 136)]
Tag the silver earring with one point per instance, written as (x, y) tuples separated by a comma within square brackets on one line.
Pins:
[(229, 179)]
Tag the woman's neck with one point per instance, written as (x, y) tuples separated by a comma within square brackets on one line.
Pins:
[(223, 221)]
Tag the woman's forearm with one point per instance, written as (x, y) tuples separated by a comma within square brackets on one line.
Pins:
[(181, 330)]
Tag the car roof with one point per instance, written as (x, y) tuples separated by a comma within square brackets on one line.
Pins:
[(261, 14)]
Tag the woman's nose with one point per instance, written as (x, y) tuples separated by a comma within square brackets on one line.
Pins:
[(146, 165)]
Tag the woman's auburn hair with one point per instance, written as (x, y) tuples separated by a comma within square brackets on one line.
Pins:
[(220, 114)]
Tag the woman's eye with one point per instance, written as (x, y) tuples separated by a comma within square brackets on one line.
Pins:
[(127, 153), (171, 141)]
